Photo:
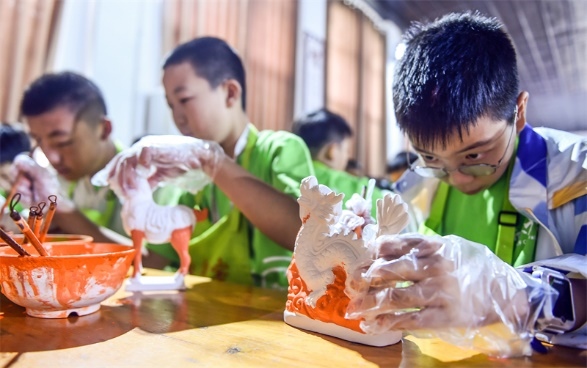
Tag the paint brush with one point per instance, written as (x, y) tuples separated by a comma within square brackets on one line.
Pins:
[(31, 220), (12, 243), (24, 226), (48, 218), (28, 232), (39, 220)]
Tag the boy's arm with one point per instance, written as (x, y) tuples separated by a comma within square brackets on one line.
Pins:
[(274, 213)]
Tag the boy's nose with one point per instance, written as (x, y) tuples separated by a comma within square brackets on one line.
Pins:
[(457, 178), (52, 155), (179, 117)]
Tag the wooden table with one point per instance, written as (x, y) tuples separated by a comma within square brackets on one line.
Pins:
[(215, 324)]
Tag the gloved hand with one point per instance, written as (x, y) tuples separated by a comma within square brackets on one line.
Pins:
[(450, 288), (185, 161), (36, 183), (173, 155)]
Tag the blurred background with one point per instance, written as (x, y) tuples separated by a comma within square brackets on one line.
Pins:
[(299, 54)]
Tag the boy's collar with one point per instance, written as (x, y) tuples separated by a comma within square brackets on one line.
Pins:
[(241, 143)]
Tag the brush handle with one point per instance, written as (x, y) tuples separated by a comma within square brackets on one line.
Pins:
[(12, 243)]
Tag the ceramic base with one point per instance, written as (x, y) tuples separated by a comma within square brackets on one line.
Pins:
[(331, 329), (155, 283), (43, 313)]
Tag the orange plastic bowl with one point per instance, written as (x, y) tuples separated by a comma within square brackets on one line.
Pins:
[(73, 280)]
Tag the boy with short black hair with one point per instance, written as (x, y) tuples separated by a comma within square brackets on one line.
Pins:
[(485, 175), (249, 215), (67, 118), (328, 136)]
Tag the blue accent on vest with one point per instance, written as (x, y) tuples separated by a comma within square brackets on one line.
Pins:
[(541, 211), (581, 205), (581, 243), (532, 154)]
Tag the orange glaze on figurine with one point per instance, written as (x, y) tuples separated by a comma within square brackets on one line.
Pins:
[(331, 307)]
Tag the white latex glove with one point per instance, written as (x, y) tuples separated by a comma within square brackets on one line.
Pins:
[(185, 161), (35, 184), (450, 288)]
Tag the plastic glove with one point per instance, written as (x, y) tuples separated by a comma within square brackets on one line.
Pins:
[(171, 154), (449, 288), (36, 183), (184, 161)]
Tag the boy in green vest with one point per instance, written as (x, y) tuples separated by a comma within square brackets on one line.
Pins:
[(518, 193), (248, 218), (328, 137), (67, 119)]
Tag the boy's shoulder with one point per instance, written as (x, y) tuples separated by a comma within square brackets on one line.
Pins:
[(555, 140), (268, 135), (341, 180), (272, 140)]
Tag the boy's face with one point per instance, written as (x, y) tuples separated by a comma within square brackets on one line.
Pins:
[(198, 109), (341, 156), (486, 142), (336, 154), (72, 147)]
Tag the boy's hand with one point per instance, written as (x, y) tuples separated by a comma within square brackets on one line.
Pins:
[(174, 155), (36, 183), (163, 159), (448, 286)]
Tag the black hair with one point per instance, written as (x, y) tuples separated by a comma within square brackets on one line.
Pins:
[(12, 142), (320, 128), (74, 91), (455, 70), (212, 59)]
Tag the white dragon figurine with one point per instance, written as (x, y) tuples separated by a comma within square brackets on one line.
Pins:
[(331, 243), (329, 236)]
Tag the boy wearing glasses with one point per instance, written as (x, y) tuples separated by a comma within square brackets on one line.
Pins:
[(518, 193), (67, 119), (490, 177)]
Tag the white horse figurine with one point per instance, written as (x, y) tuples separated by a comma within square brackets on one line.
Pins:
[(143, 219)]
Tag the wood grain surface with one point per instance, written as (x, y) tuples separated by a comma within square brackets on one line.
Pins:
[(216, 324)]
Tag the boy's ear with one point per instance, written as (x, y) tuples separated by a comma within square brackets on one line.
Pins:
[(330, 152), (234, 92), (106, 126), (326, 153), (522, 104)]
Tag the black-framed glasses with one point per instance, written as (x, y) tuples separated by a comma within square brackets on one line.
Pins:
[(471, 170)]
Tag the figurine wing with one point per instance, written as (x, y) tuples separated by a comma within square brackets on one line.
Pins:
[(392, 214)]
